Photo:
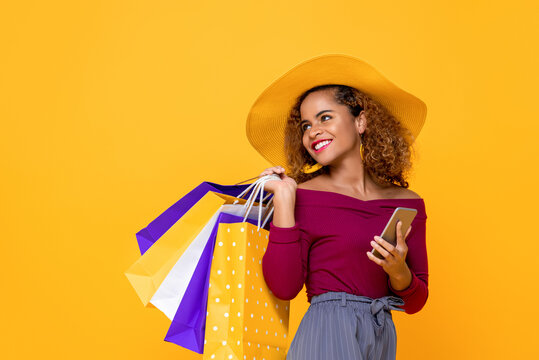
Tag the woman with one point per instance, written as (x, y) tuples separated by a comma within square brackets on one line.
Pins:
[(347, 157)]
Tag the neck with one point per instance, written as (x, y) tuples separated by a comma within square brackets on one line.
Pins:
[(349, 174)]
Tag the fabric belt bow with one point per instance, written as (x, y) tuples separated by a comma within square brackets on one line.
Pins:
[(378, 308)]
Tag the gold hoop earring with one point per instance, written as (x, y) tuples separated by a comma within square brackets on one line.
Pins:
[(361, 148), (307, 169)]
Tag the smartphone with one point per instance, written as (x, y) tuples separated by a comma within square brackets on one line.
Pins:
[(406, 215)]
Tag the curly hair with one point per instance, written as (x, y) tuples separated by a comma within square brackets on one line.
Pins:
[(386, 142)]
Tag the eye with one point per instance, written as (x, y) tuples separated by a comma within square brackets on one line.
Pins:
[(306, 124)]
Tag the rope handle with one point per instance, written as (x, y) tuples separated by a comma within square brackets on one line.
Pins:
[(258, 187)]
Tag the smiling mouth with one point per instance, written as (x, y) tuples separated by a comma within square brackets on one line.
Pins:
[(322, 145)]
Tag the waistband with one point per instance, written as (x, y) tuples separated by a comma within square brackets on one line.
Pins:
[(377, 307)]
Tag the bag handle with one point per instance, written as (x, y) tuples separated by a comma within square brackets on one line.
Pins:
[(258, 188)]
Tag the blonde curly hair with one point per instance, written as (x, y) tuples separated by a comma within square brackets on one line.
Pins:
[(387, 144)]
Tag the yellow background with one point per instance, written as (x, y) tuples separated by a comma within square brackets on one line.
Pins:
[(113, 110)]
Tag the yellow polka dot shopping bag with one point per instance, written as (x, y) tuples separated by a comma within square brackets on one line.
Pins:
[(244, 319)]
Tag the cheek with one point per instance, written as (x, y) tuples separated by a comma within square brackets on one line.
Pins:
[(350, 137), (305, 143)]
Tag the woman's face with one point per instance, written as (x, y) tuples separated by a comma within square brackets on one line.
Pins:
[(330, 125)]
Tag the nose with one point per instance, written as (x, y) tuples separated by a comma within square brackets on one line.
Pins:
[(314, 131)]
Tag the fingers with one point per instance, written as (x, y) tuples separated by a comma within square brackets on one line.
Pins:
[(383, 247), (272, 170), (393, 255), (399, 231), (400, 241), (374, 258)]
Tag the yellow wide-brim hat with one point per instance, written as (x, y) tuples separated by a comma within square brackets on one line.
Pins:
[(267, 117)]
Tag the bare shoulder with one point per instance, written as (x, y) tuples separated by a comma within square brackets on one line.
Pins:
[(403, 193), (311, 184), (392, 192)]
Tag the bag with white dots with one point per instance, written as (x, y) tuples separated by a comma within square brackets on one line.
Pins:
[(244, 319), (175, 248)]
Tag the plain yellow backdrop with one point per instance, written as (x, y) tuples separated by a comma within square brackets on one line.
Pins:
[(113, 110)]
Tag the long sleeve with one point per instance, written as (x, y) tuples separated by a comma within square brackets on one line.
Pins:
[(284, 262), (416, 294)]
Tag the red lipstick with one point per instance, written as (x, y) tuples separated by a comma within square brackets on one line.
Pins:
[(323, 147)]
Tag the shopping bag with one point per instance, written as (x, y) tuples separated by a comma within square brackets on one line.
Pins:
[(149, 271), (244, 319)]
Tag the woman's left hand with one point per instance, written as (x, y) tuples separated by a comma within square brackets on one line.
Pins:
[(394, 263)]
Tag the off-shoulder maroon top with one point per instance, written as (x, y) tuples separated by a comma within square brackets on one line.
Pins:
[(326, 249)]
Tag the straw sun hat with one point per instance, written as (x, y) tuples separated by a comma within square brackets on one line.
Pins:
[(267, 117)]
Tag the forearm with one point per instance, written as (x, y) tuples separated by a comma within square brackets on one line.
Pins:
[(401, 281), (282, 262), (284, 203)]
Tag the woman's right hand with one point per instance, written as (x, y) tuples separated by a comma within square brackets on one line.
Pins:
[(286, 182)]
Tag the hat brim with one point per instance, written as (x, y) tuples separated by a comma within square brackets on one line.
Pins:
[(267, 117)]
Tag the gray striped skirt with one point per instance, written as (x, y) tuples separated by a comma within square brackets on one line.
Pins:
[(343, 326)]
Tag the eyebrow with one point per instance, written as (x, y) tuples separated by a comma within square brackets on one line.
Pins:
[(317, 115)]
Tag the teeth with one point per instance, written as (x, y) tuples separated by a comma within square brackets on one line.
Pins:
[(320, 144)]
